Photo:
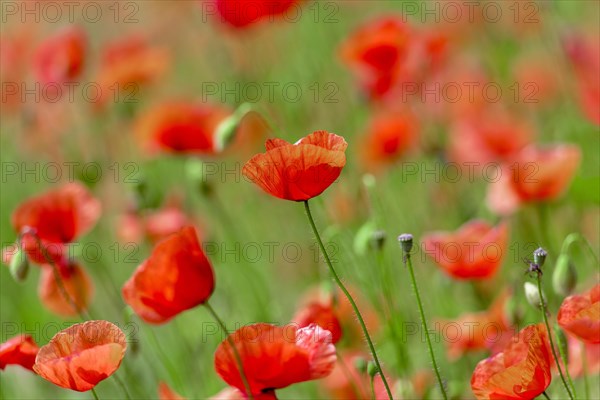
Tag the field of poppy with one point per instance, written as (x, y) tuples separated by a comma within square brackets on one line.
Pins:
[(300, 199)]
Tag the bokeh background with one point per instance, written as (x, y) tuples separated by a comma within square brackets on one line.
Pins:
[(262, 249)]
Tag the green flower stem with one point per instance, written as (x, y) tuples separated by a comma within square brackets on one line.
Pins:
[(236, 354), (408, 263), (95, 394), (556, 359), (585, 370), (349, 297)]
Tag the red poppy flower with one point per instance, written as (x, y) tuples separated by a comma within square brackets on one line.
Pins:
[(534, 174), (322, 315), (20, 350), (57, 217), (489, 136), (176, 277), (521, 371), (275, 357), (60, 58), (376, 53), (81, 356), (580, 315), (298, 171), (242, 13), (76, 283), (577, 358), (474, 251), (476, 331), (390, 135), (181, 127), (126, 65), (166, 393), (346, 382)]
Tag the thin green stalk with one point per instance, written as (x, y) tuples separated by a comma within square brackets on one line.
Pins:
[(408, 263), (236, 354), (122, 385), (349, 297), (565, 360), (546, 395), (584, 371), (95, 394), (556, 359), (164, 359)]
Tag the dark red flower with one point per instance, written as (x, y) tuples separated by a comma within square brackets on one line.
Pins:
[(275, 357), (56, 217), (80, 357), (60, 57), (475, 251), (298, 171), (580, 315), (176, 277), (321, 314), (520, 372), (242, 13), (20, 350)]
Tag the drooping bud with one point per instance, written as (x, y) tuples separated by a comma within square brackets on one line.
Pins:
[(361, 365), (564, 277), (539, 256), (19, 265), (533, 296), (226, 130), (406, 242), (196, 172), (378, 239), (372, 369)]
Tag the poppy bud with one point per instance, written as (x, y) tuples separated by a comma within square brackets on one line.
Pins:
[(562, 343), (539, 256), (378, 239), (19, 266), (227, 128), (406, 242), (564, 277), (533, 295), (196, 173), (361, 365), (372, 369)]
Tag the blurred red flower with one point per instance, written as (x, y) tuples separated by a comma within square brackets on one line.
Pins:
[(19, 350), (166, 393), (60, 58), (127, 64), (76, 283), (298, 171), (181, 127), (577, 358), (322, 315), (81, 356), (488, 136), (533, 174), (176, 277), (346, 382), (580, 315), (584, 54), (390, 135), (474, 251), (275, 357), (376, 53), (56, 217), (242, 13), (521, 371), (476, 331)]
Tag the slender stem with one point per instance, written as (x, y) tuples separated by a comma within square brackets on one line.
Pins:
[(236, 354), (408, 263), (95, 394), (373, 388), (349, 297), (556, 359), (122, 385), (565, 360), (164, 359), (584, 370), (349, 376), (546, 395)]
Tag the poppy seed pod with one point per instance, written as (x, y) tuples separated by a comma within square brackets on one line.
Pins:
[(564, 277), (406, 242), (539, 256), (532, 294)]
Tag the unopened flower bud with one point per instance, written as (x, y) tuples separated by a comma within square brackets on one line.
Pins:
[(564, 277), (378, 239), (361, 365), (406, 242), (533, 296), (539, 256), (19, 266), (372, 369), (227, 129)]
